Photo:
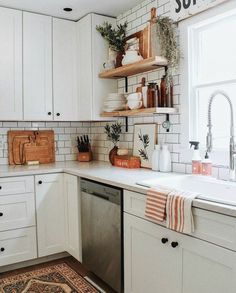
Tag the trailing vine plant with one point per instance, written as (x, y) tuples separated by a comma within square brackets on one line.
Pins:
[(166, 31)]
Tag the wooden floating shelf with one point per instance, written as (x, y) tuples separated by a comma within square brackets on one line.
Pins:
[(135, 68), (140, 112)]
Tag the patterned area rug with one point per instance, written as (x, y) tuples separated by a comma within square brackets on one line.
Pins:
[(52, 279)]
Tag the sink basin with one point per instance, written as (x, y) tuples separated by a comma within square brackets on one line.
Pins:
[(209, 188)]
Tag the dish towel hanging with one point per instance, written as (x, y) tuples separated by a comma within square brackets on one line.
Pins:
[(156, 204), (179, 216), (174, 206)]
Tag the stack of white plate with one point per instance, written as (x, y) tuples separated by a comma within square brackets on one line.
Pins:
[(114, 102)]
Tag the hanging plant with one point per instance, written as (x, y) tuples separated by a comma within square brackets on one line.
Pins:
[(166, 31), (116, 37)]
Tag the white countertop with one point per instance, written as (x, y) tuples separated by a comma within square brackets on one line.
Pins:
[(105, 173)]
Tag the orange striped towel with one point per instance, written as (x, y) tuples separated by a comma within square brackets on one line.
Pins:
[(156, 204), (179, 211)]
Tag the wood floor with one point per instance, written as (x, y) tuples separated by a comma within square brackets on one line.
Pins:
[(73, 263)]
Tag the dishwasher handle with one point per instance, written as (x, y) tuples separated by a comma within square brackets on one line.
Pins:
[(100, 195)]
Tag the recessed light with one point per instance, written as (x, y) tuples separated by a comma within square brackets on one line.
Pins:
[(67, 9)]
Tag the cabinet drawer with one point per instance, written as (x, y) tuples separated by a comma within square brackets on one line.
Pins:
[(16, 185), (212, 227), (17, 245), (17, 211)]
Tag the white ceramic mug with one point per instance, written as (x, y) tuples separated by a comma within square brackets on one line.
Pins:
[(134, 104)]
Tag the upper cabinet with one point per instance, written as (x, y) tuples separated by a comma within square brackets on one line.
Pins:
[(92, 52), (37, 64), (50, 67), (11, 64), (65, 84)]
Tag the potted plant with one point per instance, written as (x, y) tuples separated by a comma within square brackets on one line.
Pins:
[(116, 38), (113, 133)]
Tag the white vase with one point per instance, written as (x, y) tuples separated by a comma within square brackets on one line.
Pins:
[(165, 159), (155, 158)]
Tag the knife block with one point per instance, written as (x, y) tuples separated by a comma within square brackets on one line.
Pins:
[(85, 156)]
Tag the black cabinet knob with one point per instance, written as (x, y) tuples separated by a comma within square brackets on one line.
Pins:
[(174, 244), (49, 113), (2, 249), (1, 214), (40, 182), (0, 187), (58, 114), (164, 240)]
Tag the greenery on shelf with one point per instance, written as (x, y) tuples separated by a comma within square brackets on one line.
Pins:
[(113, 132), (114, 36), (167, 35)]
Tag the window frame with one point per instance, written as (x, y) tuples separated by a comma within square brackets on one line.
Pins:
[(188, 85)]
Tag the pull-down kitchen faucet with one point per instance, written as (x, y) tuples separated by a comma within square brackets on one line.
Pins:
[(232, 148)]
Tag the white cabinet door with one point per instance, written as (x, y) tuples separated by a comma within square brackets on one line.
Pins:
[(37, 63), (85, 79), (50, 214), (17, 211), (150, 265), (17, 245), (206, 268), (73, 219), (10, 64), (92, 53), (65, 89)]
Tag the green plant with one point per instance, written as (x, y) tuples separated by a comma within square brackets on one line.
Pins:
[(145, 141), (113, 132), (114, 37), (167, 35)]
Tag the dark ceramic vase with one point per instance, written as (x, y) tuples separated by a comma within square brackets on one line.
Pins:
[(112, 154)]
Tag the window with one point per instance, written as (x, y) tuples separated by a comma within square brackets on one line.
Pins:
[(209, 46)]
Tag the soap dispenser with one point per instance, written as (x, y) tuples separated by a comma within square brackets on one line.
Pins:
[(207, 166), (196, 160)]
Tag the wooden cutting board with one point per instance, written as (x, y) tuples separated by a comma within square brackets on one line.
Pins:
[(29, 145)]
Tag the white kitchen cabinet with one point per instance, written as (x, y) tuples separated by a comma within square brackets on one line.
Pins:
[(73, 219), (17, 245), (150, 265), (92, 53), (65, 84), (206, 268), (192, 266), (37, 64), (50, 210), (17, 211), (11, 64)]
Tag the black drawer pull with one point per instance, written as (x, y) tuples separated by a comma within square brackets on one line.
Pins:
[(49, 113), (1, 214), (2, 249), (58, 114), (174, 244), (164, 240), (40, 182), (0, 187)]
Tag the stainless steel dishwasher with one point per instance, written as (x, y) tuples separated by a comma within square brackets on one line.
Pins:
[(102, 230)]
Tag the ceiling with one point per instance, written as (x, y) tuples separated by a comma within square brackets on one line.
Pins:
[(80, 7)]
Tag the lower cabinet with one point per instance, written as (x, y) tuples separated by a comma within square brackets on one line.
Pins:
[(160, 260), (50, 207), (17, 245), (73, 219)]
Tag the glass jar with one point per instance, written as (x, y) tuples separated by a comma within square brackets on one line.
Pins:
[(152, 95)]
